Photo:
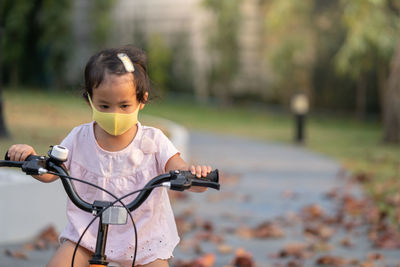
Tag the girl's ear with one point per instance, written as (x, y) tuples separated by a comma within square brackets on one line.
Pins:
[(145, 98)]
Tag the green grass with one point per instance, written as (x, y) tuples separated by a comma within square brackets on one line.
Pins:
[(43, 119)]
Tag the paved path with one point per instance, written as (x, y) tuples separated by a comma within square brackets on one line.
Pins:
[(274, 180), (267, 180)]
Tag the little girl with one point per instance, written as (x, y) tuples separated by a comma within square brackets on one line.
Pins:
[(117, 153)]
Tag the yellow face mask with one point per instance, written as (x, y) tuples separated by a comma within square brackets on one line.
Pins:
[(114, 123)]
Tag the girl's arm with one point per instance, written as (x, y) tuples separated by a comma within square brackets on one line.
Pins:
[(177, 163), (20, 152)]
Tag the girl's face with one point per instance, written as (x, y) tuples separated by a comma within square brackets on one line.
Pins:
[(116, 94)]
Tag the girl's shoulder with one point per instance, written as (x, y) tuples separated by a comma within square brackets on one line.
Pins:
[(152, 132), (83, 130)]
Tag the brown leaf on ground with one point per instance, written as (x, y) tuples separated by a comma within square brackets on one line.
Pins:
[(332, 194), (375, 256), (331, 261), (244, 232), (47, 237), (209, 236), (346, 242), (224, 249), (29, 246), (207, 260), (268, 230), (16, 254), (366, 264), (313, 212), (295, 250), (361, 177), (319, 231), (321, 247), (243, 259), (388, 240), (353, 206)]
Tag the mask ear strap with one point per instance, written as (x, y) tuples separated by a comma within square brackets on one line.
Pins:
[(126, 61), (90, 100)]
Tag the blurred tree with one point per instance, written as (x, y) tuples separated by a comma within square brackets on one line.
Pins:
[(223, 47), (3, 128), (290, 45), (101, 18), (368, 45), (391, 111), (36, 38), (159, 62)]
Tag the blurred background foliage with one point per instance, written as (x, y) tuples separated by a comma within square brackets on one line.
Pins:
[(245, 63), (338, 52)]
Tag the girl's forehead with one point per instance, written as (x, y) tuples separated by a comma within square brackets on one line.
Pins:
[(118, 79), (116, 85)]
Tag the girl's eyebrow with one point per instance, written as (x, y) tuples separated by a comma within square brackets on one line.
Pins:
[(125, 101)]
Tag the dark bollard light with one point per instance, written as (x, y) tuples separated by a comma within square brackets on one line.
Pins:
[(299, 106)]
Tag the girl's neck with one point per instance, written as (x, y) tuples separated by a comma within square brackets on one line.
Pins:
[(114, 143)]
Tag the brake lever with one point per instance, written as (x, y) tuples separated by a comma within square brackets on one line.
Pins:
[(34, 165), (179, 181)]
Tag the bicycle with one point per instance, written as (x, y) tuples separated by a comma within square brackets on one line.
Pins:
[(108, 212)]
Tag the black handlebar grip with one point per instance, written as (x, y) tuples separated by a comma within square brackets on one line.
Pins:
[(213, 176), (6, 157), (211, 180)]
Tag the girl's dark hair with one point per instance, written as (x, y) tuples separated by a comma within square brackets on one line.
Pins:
[(107, 61)]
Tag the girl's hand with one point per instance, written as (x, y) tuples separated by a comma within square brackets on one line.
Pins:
[(20, 152), (200, 171)]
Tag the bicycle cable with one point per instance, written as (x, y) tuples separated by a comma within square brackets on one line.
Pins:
[(101, 212), (134, 226)]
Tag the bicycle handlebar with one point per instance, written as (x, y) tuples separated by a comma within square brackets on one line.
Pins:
[(175, 180)]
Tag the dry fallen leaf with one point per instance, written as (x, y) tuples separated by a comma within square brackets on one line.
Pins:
[(243, 259), (295, 250), (16, 254), (331, 261), (320, 231), (224, 249), (268, 230), (207, 260), (313, 212)]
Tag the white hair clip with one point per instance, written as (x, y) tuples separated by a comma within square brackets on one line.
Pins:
[(126, 61)]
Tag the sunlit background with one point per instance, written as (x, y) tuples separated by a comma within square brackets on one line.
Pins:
[(225, 67)]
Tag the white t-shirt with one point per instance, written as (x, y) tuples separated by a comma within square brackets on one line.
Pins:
[(122, 172)]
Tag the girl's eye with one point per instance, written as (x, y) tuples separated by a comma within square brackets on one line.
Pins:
[(104, 106), (124, 106)]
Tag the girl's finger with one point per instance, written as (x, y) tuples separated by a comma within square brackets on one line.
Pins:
[(25, 154), (17, 156), (204, 170), (198, 171), (192, 170), (209, 169)]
